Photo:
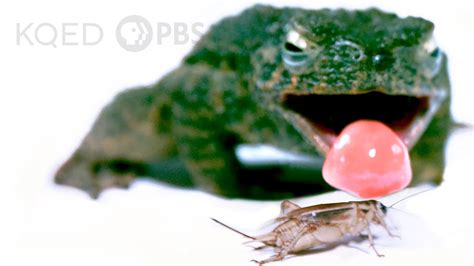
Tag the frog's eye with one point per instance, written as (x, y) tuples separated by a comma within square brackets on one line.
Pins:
[(295, 41), (292, 48), (296, 51), (430, 46), (434, 57)]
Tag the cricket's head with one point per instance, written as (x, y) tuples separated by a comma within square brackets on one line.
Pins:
[(382, 208), (373, 210), (336, 66)]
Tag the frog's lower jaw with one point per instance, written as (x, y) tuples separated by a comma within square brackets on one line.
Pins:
[(321, 117)]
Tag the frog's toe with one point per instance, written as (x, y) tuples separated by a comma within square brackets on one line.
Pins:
[(83, 174)]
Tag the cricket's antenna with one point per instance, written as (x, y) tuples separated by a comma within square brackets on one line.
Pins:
[(409, 196), (230, 228), (400, 210)]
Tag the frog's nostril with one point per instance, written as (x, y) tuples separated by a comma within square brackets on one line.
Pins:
[(355, 51), (382, 61)]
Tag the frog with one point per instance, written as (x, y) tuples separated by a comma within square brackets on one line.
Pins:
[(287, 77)]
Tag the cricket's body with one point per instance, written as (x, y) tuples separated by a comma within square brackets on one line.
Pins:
[(310, 227), (288, 77)]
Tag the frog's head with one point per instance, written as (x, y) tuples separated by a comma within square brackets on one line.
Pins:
[(336, 66)]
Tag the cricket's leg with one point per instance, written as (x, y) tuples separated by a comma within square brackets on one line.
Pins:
[(384, 225), (276, 257), (129, 135), (381, 220), (371, 240), (286, 248)]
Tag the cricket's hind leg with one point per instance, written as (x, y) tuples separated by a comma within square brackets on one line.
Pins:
[(286, 247), (130, 134)]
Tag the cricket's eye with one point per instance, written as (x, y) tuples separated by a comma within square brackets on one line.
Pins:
[(296, 51)]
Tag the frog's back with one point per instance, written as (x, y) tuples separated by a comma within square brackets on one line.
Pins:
[(230, 43)]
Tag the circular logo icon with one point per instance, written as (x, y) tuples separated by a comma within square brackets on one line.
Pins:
[(134, 33)]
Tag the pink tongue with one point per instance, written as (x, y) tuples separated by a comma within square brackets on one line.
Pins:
[(368, 160)]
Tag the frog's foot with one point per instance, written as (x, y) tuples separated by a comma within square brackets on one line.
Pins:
[(94, 176)]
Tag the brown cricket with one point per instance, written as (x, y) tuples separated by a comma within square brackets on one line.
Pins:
[(303, 228)]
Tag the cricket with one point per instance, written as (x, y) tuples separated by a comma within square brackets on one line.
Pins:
[(304, 228)]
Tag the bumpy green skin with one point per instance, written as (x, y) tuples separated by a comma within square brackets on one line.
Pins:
[(228, 91)]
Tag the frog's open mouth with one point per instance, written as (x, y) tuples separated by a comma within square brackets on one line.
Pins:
[(322, 117)]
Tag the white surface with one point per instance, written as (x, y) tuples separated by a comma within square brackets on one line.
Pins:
[(50, 96)]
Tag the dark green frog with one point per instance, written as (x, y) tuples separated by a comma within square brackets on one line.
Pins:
[(288, 77)]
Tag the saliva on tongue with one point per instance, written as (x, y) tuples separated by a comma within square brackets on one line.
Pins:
[(368, 160)]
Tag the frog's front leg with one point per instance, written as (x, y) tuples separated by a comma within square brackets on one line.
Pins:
[(204, 143), (428, 155), (215, 111), (210, 161)]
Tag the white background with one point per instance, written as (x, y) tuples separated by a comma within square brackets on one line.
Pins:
[(49, 98)]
